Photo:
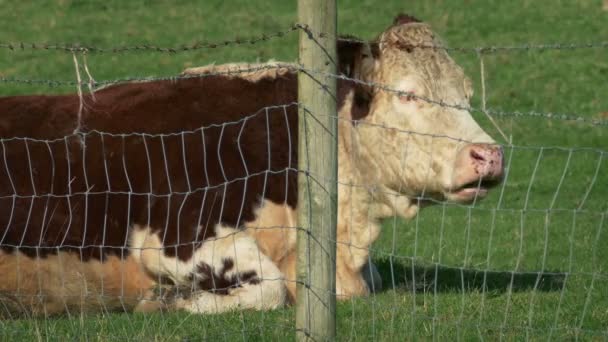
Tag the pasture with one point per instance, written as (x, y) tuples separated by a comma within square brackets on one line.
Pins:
[(530, 261)]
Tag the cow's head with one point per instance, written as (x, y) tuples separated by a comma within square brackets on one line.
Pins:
[(426, 144)]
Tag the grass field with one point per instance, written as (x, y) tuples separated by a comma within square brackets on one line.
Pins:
[(529, 262)]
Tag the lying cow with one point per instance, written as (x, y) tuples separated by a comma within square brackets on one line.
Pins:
[(202, 199)]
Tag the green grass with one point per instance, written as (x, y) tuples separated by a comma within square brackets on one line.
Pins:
[(454, 272)]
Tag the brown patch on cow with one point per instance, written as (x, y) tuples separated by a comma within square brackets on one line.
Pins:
[(360, 108), (207, 278), (63, 283), (356, 61), (356, 100)]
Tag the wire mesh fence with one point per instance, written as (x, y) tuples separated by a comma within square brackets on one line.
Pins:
[(191, 221)]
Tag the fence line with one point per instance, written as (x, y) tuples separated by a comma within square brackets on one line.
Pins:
[(77, 47)]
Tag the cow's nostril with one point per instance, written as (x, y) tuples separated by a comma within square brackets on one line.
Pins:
[(499, 151), (475, 155)]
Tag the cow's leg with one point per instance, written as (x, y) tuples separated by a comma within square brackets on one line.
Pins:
[(274, 230), (352, 282), (355, 235), (288, 268), (348, 282), (62, 282), (224, 273)]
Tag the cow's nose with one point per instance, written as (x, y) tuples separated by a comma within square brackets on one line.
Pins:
[(487, 160)]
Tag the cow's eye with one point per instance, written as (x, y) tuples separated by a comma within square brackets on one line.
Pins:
[(407, 96)]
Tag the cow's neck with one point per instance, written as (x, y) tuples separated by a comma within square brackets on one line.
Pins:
[(356, 229), (358, 226), (362, 199)]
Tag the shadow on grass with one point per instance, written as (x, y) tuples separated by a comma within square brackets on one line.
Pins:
[(427, 278)]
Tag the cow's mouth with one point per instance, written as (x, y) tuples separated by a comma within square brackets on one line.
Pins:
[(469, 192)]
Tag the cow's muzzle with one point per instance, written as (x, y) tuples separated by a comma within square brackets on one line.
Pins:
[(478, 168)]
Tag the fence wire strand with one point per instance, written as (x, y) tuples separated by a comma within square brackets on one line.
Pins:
[(79, 47)]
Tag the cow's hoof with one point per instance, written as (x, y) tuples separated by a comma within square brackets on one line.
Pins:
[(372, 277)]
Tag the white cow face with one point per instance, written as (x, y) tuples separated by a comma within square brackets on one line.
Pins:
[(426, 144)]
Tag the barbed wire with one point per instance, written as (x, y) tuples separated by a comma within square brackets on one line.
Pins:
[(295, 68), (495, 48), (77, 47), (144, 47)]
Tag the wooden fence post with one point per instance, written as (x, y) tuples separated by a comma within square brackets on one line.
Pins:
[(317, 181)]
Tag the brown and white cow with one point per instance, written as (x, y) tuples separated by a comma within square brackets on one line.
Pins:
[(202, 198)]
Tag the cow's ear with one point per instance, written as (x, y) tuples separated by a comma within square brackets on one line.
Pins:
[(356, 57), (349, 52), (375, 48), (403, 19)]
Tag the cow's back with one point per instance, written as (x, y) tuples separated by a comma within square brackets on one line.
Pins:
[(178, 156)]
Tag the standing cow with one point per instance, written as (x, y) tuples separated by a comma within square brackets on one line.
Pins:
[(202, 198)]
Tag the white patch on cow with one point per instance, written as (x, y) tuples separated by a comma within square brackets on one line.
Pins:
[(274, 230), (253, 72), (229, 243)]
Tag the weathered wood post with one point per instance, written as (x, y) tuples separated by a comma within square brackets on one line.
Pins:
[(317, 181)]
